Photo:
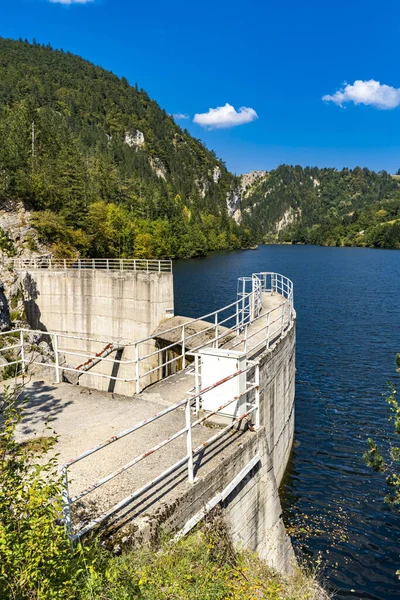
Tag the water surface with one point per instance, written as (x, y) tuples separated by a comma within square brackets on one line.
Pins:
[(347, 302)]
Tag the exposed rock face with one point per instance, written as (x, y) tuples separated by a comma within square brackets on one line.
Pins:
[(15, 221), (233, 200), (202, 186), (134, 138), (159, 168), (5, 321), (247, 180), (217, 173), (289, 216)]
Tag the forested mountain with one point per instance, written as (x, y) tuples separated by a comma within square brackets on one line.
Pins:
[(355, 207), (105, 169)]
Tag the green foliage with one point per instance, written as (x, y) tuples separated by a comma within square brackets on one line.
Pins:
[(93, 188), (389, 464), (202, 566), (6, 243), (36, 561), (326, 207)]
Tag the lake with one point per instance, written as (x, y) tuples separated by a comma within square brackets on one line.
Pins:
[(348, 317)]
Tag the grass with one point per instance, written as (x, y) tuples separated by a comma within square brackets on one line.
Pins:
[(203, 566), (38, 444)]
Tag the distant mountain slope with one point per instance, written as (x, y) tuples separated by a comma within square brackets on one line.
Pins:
[(107, 171), (324, 206)]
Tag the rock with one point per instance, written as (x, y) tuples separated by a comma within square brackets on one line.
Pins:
[(217, 174), (233, 201), (247, 180), (134, 138), (159, 168)]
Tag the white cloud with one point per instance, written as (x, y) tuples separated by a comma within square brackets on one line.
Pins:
[(71, 1), (371, 93), (225, 116), (180, 116)]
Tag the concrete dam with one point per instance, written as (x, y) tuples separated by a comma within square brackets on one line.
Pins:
[(160, 417)]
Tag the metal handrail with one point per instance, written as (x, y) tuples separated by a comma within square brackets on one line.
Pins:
[(69, 500), (108, 264), (242, 313)]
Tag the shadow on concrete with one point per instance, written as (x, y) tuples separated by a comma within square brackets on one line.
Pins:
[(115, 370), (32, 310), (166, 491), (40, 406)]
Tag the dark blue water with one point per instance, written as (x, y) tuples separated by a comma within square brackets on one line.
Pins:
[(348, 333)]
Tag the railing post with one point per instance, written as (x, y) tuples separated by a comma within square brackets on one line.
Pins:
[(257, 395), (65, 264), (197, 382), (189, 445), (147, 266), (183, 348), (283, 317), (137, 368), (268, 328), (79, 263), (245, 339), (134, 264), (66, 507), (108, 264), (56, 357), (22, 351), (216, 329)]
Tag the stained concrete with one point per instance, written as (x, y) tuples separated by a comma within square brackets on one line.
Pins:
[(83, 418), (114, 306)]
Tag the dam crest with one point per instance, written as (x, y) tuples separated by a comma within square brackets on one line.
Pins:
[(166, 417)]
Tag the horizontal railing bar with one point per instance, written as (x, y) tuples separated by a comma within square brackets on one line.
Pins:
[(10, 347), (128, 465), (202, 318), (16, 362), (129, 499), (154, 481), (79, 372), (93, 357), (126, 432), (222, 431)]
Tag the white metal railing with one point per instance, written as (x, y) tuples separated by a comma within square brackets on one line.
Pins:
[(187, 404), (237, 318), (240, 318), (107, 264)]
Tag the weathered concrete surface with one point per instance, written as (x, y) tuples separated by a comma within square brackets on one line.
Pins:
[(110, 305), (83, 418)]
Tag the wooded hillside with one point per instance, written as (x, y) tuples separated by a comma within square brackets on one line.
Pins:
[(105, 169)]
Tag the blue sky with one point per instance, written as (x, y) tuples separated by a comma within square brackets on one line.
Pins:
[(278, 59)]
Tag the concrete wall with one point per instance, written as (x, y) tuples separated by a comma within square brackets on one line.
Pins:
[(277, 393), (111, 305), (253, 510)]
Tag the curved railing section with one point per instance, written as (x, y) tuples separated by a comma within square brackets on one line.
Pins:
[(243, 325)]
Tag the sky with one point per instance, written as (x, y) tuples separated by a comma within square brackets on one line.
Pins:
[(260, 82)]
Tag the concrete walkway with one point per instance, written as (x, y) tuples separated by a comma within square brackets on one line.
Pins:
[(83, 418)]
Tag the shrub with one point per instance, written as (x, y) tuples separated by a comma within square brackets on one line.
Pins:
[(36, 559)]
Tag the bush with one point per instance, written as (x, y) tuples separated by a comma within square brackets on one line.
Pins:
[(36, 559)]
